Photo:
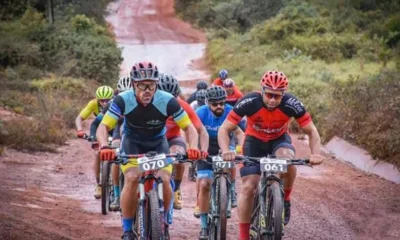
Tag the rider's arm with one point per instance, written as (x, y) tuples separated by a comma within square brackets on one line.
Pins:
[(223, 135), (85, 113), (182, 119), (110, 119), (194, 118), (314, 138)]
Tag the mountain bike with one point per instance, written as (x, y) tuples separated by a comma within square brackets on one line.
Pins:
[(267, 216), (220, 198), (107, 189), (149, 220), (192, 173)]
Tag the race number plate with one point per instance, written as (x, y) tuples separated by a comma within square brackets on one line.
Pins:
[(273, 165), (152, 163), (219, 163)]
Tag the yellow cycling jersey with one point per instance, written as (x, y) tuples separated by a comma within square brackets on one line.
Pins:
[(92, 107)]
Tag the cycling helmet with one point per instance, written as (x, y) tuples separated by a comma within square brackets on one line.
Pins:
[(104, 92), (223, 74), (169, 84), (201, 96), (202, 85), (144, 71), (228, 83), (215, 93), (124, 84), (274, 80)]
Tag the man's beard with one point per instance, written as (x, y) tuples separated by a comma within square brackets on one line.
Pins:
[(218, 113)]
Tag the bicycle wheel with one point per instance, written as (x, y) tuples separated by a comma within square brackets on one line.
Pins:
[(275, 212), (154, 216), (255, 219), (223, 206), (105, 187)]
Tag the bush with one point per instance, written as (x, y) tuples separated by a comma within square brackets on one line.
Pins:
[(367, 112)]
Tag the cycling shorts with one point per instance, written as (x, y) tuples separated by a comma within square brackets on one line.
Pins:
[(136, 146), (178, 140), (256, 148)]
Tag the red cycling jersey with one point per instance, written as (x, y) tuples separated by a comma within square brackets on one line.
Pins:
[(264, 124), (236, 90), (173, 129)]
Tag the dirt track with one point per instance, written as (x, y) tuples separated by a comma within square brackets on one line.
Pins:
[(50, 196)]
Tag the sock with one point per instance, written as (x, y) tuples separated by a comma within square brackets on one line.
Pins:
[(116, 191), (244, 231), (177, 184), (203, 220), (127, 222), (287, 194)]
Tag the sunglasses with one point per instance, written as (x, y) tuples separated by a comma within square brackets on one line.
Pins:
[(104, 100), (216, 104), (144, 86), (273, 95)]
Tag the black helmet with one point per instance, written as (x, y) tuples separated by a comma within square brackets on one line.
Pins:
[(201, 96), (169, 84), (202, 85), (215, 93)]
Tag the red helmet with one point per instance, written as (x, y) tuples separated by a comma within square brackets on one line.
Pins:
[(274, 80), (144, 71)]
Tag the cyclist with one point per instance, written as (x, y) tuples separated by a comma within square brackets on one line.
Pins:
[(268, 113), (145, 111), (223, 76), (124, 84), (176, 142), (212, 116), (200, 85), (103, 95), (232, 95), (200, 99)]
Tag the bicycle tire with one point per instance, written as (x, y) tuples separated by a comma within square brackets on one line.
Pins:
[(255, 222), (275, 211), (105, 188), (223, 207), (154, 212)]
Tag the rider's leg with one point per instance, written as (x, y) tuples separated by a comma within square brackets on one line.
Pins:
[(96, 168), (165, 175), (245, 203), (177, 145), (290, 176), (204, 177), (129, 199), (115, 172)]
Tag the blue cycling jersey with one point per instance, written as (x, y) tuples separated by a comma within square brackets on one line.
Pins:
[(212, 123)]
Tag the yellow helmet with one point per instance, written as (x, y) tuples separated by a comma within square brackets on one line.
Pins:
[(104, 92)]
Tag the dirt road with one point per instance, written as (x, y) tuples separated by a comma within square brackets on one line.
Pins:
[(50, 196)]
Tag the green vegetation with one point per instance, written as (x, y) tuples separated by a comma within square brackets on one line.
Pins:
[(49, 71), (342, 59)]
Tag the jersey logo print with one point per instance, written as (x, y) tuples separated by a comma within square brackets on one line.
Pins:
[(244, 102), (295, 104), (258, 128), (154, 122)]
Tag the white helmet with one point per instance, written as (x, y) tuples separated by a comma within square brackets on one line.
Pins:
[(124, 84)]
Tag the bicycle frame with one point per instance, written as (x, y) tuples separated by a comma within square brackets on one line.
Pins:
[(214, 198), (266, 180)]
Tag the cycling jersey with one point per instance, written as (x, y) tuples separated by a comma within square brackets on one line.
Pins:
[(267, 125), (92, 107), (173, 130), (236, 90), (212, 124), (145, 122), (195, 105), (233, 98)]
